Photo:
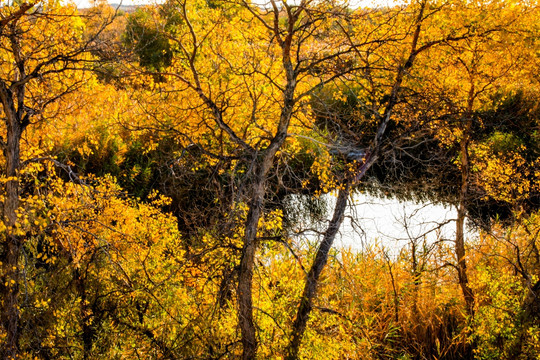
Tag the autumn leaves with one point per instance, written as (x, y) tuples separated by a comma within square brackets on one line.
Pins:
[(228, 108)]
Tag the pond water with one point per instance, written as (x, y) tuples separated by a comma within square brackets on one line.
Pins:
[(387, 222)]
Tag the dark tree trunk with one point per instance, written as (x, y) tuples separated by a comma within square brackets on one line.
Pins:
[(310, 288), (245, 277), (462, 212), (12, 242), (261, 169)]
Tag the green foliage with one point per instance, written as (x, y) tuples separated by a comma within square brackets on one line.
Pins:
[(502, 143), (150, 45)]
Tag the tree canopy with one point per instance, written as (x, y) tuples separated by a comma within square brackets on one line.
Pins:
[(162, 166)]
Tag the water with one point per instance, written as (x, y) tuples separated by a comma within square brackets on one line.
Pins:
[(390, 223)]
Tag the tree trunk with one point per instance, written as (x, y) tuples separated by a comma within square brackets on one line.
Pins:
[(462, 211), (462, 264), (13, 242), (417, 277), (245, 277), (261, 169), (306, 302)]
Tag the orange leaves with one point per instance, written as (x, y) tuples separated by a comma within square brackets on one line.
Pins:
[(106, 261), (504, 175), (271, 223)]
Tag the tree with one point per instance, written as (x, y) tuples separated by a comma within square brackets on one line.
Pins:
[(42, 50), (421, 41), (462, 85), (284, 46)]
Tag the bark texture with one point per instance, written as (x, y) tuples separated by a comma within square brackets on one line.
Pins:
[(460, 223)]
